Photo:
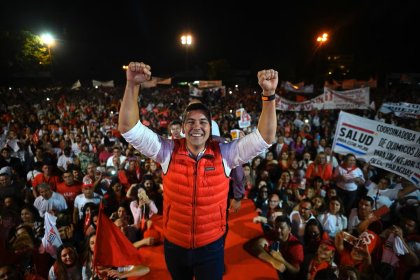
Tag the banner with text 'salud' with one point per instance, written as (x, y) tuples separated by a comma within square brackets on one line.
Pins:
[(383, 145)]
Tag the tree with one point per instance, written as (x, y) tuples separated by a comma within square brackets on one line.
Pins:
[(33, 54), (22, 51)]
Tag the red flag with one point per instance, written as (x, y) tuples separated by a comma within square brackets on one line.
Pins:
[(112, 248), (87, 222)]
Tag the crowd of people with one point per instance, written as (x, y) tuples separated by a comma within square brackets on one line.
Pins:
[(323, 215)]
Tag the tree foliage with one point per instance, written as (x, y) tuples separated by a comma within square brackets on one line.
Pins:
[(23, 51), (33, 54)]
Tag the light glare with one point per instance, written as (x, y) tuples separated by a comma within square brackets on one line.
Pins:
[(186, 39), (47, 39)]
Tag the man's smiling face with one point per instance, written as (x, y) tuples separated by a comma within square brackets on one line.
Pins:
[(197, 130)]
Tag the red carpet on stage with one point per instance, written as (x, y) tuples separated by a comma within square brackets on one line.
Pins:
[(239, 263)]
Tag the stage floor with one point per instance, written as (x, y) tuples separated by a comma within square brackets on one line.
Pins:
[(239, 263)]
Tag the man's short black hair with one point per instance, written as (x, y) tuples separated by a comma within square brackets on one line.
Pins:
[(283, 219), (195, 107), (369, 199)]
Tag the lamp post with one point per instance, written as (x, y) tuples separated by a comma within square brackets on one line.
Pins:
[(48, 40), (321, 40), (186, 41)]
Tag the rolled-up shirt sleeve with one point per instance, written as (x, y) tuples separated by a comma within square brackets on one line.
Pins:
[(149, 143), (243, 150)]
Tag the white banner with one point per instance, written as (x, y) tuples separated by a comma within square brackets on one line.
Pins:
[(96, 83), (348, 99), (51, 240), (383, 145), (308, 105), (401, 109), (330, 100)]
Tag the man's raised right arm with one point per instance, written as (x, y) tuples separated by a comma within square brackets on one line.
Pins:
[(137, 72)]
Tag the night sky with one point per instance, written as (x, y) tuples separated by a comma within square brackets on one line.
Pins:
[(96, 38)]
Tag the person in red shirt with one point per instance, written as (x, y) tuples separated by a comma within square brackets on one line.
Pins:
[(319, 168), (359, 251), (283, 250), (131, 175), (323, 259), (69, 188), (104, 154), (45, 177)]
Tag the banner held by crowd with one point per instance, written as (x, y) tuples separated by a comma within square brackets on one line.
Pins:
[(383, 145)]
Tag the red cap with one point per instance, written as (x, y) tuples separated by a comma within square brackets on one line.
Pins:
[(85, 186), (326, 240)]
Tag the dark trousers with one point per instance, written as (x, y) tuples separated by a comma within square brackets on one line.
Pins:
[(348, 198), (203, 263)]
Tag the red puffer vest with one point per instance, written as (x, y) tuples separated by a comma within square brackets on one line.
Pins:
[(195, 196)]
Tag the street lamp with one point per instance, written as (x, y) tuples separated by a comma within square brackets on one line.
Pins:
[(48, 39), (321, 41), (186, 41)]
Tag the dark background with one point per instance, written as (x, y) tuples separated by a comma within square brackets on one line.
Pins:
[(95, 38)]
